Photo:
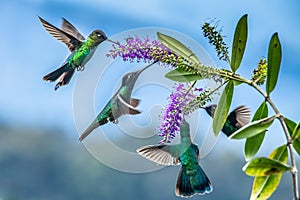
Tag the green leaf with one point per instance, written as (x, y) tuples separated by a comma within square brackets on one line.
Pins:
[(253, 128), (177, 47), (291, 125), (223, 107), (264, 167), (296, 145), (264, 186), (280, 154), (239, 43), (253, 144), (274, 60), (180, 75), (296, 132)]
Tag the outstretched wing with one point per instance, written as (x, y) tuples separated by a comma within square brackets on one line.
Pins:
[(62, 36), (161, 154), (240, 116), (67, 27)]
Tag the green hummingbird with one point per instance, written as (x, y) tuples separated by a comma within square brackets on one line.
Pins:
[(81, 50), (191, 178), (238, 118), (120, 104)]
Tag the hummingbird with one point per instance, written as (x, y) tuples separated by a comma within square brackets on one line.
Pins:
[(81, 50), (120, 104), (238, 118), (191, 177)]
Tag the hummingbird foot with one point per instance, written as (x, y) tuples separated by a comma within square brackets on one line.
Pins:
[(80, 68)]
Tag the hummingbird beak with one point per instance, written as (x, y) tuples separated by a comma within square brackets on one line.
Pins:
[(141, 70), (112, 41)]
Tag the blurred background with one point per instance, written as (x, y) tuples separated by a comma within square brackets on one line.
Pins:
[(40, 156)]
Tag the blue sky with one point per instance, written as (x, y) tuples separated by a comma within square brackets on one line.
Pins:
[(28, 52)]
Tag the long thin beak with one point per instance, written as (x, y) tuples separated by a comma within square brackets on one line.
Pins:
[(141, 70), (111, 41)]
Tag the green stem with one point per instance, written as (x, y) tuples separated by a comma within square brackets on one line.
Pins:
[(193, 84)]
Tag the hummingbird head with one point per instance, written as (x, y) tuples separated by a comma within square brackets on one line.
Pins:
[(211, 109), (98, 36), (130, 78)]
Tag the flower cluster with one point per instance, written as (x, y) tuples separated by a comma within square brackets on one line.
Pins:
[(215, 38), (136, 49), (174, 112), (202, 98), (260, 73), (146, 50)]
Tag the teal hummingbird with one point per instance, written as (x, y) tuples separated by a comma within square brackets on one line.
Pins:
[(81, 50), (191, 178), (238, 118), (120, 104)]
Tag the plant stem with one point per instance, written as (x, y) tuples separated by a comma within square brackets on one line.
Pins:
[(193, 84), (294, 170)]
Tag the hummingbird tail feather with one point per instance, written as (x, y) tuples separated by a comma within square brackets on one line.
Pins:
[(192, 182), (183, 185), (53, 76), (200, 182), (88, 131), (64, 73)]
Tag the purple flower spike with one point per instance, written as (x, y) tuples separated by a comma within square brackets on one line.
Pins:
[(136, 49), (173, 115)]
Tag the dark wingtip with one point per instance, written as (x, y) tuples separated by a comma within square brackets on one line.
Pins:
[(56, 86), (41, 19)]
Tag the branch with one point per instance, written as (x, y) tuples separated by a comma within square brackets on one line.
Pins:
[(294, 170)]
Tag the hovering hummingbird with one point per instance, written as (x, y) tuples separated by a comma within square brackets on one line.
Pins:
[(81, 50), (238, 118), (191, 178), (120, 104)]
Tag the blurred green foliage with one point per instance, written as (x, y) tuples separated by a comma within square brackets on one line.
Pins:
[(46, 165)]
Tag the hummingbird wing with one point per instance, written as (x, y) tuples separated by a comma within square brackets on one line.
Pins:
[(62, 36), (161, 154), (134, 102), (239, 117), (67, 27), (126, 108)]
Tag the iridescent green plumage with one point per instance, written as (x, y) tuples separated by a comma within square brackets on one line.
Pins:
[(120, 104), (238, 118), (81, 50), (191, 178)]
